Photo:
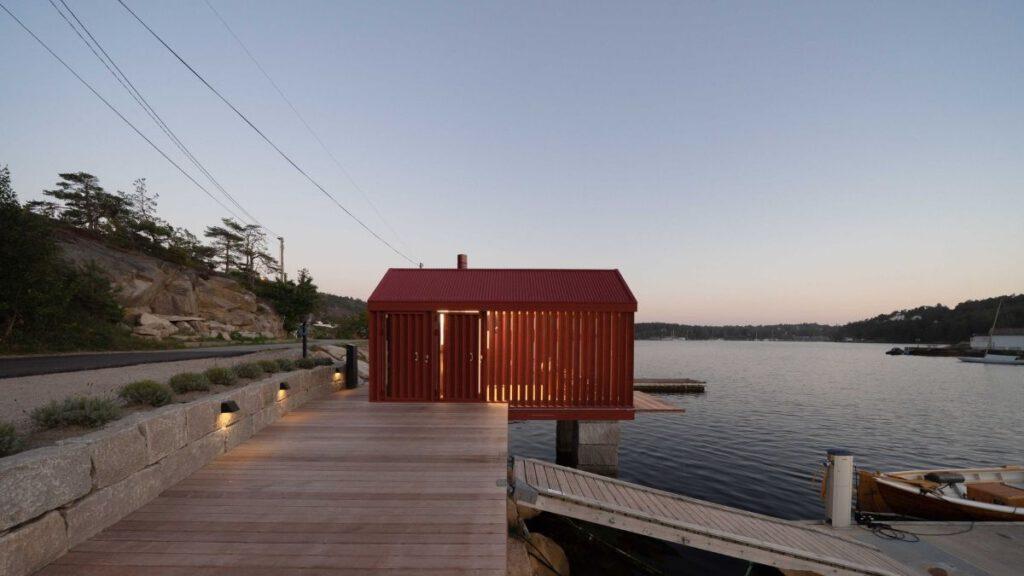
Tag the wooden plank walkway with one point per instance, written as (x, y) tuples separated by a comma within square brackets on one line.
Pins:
[(644, 402), (729, 531), (340, 486)]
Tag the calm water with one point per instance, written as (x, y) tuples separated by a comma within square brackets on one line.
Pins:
[(759, 434)]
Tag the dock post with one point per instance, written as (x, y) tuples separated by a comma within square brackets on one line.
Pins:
[(839, 487)]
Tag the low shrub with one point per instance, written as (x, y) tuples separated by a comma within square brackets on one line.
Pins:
[(77, 411), (248, 370), (323, 361), (221, 376), (305, 363), (146, 392), (10, 441), (189, 382), (285, 364), (269, 366)]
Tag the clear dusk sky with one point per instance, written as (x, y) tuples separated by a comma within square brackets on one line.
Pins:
[(740, 162)]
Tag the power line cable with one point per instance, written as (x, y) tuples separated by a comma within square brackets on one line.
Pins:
[(115, 110), (309, 128), (265, 137), (141, 100)]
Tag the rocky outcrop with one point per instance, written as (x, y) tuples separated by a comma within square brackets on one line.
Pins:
[(166, 300)]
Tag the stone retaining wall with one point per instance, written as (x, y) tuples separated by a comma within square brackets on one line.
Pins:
[(55, 497), (25, 393)]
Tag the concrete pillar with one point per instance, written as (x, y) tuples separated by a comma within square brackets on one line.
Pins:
[(565, 443), (839, 488), (589, 445)]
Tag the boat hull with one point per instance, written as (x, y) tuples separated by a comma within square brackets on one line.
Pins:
[(890, 496), (1005, 361)]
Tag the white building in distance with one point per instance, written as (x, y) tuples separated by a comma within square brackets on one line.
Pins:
[(1002, 339)]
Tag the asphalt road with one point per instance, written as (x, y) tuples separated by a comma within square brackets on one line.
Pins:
[(11, 367)]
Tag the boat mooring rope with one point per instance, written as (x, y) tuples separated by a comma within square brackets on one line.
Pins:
[(890, 532)]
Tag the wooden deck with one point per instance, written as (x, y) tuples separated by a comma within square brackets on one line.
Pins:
[(704, 525), (644, 402), (340, 486)]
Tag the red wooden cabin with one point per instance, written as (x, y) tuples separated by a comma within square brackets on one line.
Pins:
[(554, 344)]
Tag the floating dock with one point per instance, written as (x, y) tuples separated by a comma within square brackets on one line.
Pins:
[(340, 486), (696, 523), (669, 385), (951, 548)]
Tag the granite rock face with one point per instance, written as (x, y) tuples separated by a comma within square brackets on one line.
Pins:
[(162, 299)]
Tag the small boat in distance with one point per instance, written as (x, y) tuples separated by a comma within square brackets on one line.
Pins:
[(975, 494)]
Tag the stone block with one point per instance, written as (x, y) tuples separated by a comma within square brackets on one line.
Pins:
[(252, 401), (269, 415), (609, 471), (34, 545), (181, 464), (40, 480), (201, 418), (597, 455), (268, 392), (104, 507), (598, 432), (164, 431), (239, 432), (117, 451)]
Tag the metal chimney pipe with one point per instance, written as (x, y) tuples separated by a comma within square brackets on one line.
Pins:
[(463, 262)]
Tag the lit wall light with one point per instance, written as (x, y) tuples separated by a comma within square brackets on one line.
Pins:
[(337, 375), (229, 407)]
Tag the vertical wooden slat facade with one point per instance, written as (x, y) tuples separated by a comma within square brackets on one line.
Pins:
[(542, 363), (567, 360)]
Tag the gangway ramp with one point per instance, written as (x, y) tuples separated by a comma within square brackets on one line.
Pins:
[(713, 527)]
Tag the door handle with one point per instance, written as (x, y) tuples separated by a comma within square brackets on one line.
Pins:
[(416, 356), (470, 356)]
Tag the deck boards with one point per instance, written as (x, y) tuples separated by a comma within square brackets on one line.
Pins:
[(696, 523), (644, 402), (341, 486)]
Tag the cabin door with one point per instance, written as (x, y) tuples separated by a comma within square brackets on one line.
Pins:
[(409, 344), (460, 367)]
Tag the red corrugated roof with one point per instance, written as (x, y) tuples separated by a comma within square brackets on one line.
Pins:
[(406, 288)]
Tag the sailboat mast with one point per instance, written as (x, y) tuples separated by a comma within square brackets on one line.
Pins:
[(993, 328)]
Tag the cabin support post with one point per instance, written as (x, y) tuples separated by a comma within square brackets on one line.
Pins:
[(589, 445), (839, 487), (565, 442)]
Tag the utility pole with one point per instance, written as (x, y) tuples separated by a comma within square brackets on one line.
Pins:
[(281, 275)]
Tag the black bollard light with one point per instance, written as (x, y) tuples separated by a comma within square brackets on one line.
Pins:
[(351, 366)]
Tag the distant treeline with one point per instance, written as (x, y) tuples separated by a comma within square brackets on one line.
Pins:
[(926, 324), (938, 324), (665, 331)]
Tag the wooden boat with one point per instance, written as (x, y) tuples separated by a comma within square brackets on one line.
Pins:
[(982, 494)]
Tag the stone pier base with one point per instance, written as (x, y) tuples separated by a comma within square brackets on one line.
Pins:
[(588, 445)]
